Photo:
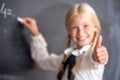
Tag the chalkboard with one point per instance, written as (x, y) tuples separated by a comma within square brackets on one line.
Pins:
[(15, 59), (14, 48), (15, 39)]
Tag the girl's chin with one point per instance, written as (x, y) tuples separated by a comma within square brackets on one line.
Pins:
[(82, 44)]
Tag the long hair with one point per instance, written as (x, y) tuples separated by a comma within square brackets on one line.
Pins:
[(77, 10)]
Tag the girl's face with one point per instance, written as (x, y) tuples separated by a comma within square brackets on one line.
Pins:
[(81, 30)]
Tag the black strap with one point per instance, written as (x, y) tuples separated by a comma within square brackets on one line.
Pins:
[(70, 62)]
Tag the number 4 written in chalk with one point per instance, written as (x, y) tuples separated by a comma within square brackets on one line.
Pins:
[(5, 11)]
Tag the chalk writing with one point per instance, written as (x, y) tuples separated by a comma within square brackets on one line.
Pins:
[(5, 11)]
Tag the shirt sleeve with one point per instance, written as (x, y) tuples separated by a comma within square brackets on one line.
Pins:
[(41, 56)]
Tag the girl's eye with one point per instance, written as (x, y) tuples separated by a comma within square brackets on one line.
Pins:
[(86, 26), (74, 27)]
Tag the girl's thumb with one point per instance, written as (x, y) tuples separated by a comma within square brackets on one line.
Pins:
[(99, 41)]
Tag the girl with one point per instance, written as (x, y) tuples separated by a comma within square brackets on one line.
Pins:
[(83, 61)]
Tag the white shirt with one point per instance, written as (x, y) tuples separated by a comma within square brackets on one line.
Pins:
[(88, 70)]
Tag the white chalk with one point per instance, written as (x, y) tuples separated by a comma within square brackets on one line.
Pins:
[(19, 19)]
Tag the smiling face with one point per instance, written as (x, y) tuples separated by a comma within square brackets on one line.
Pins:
[(82, 25), (81, 30)]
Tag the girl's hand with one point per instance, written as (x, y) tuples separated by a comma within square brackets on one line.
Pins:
[(31, 25), (100, 54)]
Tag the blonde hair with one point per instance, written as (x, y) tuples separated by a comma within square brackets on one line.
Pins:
[(77, 10)]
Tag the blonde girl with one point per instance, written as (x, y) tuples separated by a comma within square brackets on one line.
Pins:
[(85, 60)]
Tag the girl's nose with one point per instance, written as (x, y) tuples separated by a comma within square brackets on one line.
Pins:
[(80, 31)]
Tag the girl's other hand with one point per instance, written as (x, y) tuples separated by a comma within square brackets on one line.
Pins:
[(31, 25)]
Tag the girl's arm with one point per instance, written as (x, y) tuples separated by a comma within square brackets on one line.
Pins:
[(41, 56), (39, 51)]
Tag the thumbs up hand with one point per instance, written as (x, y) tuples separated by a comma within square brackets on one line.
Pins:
[(100, 54)]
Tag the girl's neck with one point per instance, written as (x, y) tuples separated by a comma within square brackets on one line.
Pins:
[(79, 47)]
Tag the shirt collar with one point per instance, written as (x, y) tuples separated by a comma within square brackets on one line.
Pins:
[(76, 52)]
